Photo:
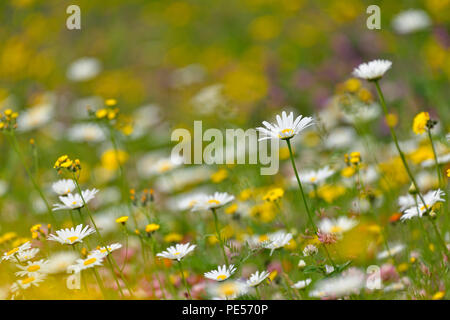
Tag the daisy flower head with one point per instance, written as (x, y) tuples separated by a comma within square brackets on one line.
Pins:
[(345, 284), (72, 235), (257, 277), (285, 128), (12, 254), (26, 255), (393, 250), (337, 226), (430, 198), (177, 252), (63, 187), (75, 201), (316, 176), (26, 283), (107, 250), (32, 268), (227, 290), (222, 273), (219, 199), (91, 261), (59, 261), (301, 284), (373, 70), (277, 240)]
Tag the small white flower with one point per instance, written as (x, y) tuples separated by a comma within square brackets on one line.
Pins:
[(63, 187), (431, 198), (74, 201), (277, 240), (316, 176), (301, 264), (410, 21), (222, 273), (14, 252), (372, 70), (26, 255), (83, 69), (256, 278), (301, 284), (35, 117), (32, 268), (219, 199), (393, 250), (285, 128), (107, 250), (310, 250), (58, 262), (329, 269), (86, 132), (338, 286), (227, 290), (34, 280), (91, 261), (177, 252), (72, 235), (337, 226)]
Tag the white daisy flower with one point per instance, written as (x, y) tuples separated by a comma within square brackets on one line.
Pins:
[(34, 280), (222, 273), (12, 254), (410, 21), (107, 250), (277, 240), (338, 286), (83, 69), (60, 261), (177, 252), (301, 264), (301, 284), (442, 159), (32, 268), (63, 187), (393, 250), (219, 199), (372, 70), (72, 235), (316, 176), (256, 278), (339, 225), (86, 132), (286, 127), (91, 261), (74, 201), (26, 255), (227, 290), (431, 198), (35, 117)]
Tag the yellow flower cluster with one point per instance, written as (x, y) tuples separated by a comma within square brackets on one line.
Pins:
[(64, 162), (8, 120), (354, 159)]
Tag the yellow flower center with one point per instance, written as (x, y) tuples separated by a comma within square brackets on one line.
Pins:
[(89, 261), (335, 229), (228, 289), (176, 253), (33, 268), (28, 280), (221, 277), (285, 133), (313, 179), (72, 239), (214, 201)]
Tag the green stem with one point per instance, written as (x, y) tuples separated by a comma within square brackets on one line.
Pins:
[(216, 223), (438, 171), (184, 280), (300, 186)]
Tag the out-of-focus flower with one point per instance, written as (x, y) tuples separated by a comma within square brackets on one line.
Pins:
[(420, 122), (75, 201), (338, 286), (86, 132), (277, 240), (63, 187), (410, 21), (301, 284), (217, 200), (84, 69), (316, 176)]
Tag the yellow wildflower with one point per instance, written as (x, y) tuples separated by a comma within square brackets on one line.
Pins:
[(420, 122)]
